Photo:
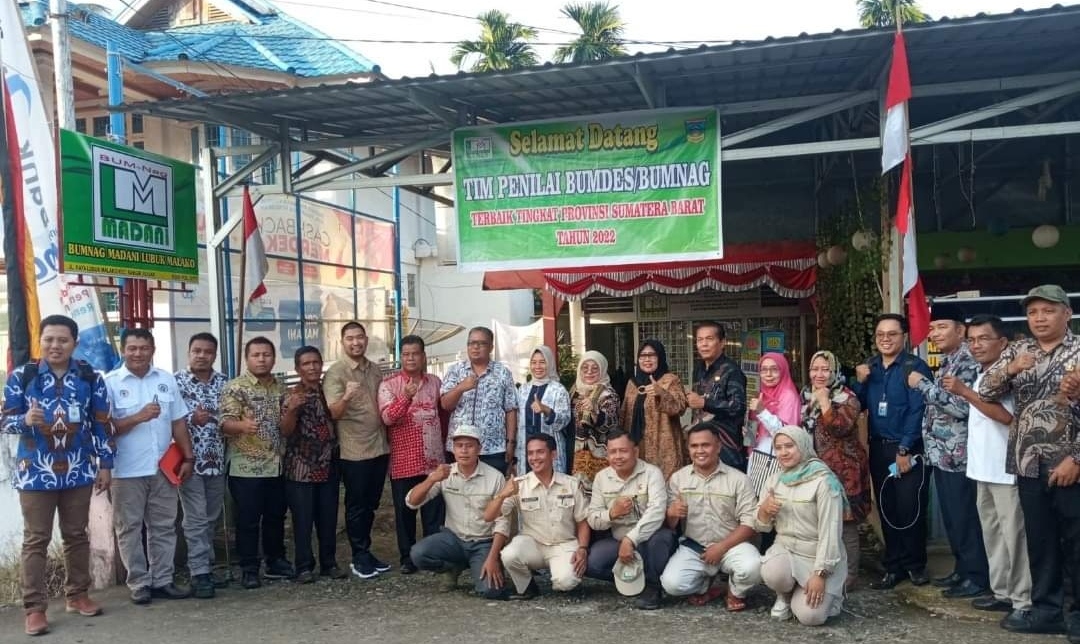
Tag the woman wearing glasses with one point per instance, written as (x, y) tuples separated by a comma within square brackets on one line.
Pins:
[(654, 401), (596, 412)]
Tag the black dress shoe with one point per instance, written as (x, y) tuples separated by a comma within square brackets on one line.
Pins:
[(649, 599), (250, 580), (918, 577), (532, 591), (170, 591), (141, 596), (408, 568), (1024, 621), (888, 582), (991, 603), (966, 588), (948, 581)]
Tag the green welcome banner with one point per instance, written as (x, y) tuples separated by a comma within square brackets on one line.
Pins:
[(608, 189), (126, 212)]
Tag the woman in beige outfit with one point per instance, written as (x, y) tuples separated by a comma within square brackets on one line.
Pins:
[(806, 565)]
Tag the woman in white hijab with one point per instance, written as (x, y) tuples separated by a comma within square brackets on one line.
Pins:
[(596, 414), (543, 408)]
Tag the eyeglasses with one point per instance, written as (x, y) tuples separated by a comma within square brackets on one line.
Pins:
[(478, 343), (646, 355), (769, 370), (891, 335)]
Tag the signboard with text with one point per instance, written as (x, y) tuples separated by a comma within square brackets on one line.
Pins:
[(609, 189), (126, 212)]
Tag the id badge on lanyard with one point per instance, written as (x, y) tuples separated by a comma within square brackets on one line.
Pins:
[(883, 408)]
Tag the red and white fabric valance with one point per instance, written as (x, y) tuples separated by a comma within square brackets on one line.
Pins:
[(793, 278), (787, 267)]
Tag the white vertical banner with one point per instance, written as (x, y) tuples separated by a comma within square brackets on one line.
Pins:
[(514, 346), (37, 156)]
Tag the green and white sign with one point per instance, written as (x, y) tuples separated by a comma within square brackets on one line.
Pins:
[(608, 189), (126, 212)]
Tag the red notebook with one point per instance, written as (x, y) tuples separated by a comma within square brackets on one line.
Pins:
[(170, 463)]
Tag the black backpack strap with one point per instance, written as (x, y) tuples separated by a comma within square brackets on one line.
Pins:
[(28, 373), (86, 373)]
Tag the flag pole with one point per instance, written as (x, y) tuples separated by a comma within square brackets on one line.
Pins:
[(242, 305)]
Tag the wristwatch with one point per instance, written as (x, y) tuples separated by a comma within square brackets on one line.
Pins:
[(822, 573)]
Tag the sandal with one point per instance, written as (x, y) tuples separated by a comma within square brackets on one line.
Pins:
[(705, 597), (734, 604)]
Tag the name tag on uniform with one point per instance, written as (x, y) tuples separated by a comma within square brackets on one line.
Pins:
[(883, 409)]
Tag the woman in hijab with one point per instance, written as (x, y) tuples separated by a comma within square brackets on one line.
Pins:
[(596, 412), (804, 501), (778, 404), (543, 407), (830, 413), (654, 400)]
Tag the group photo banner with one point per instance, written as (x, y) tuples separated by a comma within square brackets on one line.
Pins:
[(608, 189), (126, 212)]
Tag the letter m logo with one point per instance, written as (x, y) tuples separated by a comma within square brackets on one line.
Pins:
[(145, 194)]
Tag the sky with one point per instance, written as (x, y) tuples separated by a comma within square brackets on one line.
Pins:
[(684, 22), (681, 23)]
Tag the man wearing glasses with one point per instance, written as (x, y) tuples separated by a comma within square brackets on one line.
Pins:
[(479, 391), (895, 419), (998, 498)]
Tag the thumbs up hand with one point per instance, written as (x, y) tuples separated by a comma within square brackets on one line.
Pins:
[(770, 507), (650, 388), (537, 406), (678, 508), (35, 416), (248, 425)]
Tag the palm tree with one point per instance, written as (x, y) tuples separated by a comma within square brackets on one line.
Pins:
[(502, 45), (601, 32), (882, 13)]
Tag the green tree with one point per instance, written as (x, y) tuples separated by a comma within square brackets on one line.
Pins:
[(882, 13), (502, 45), (601, 33)]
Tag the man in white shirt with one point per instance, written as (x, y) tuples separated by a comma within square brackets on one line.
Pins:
[(998, 498), (148, 415)]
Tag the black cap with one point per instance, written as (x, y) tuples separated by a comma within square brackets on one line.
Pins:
[(947, 311)]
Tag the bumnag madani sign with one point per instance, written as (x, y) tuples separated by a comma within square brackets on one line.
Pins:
[(608, 189), (126, 212)]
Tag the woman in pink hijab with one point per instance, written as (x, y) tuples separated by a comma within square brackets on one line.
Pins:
[(778, 404)]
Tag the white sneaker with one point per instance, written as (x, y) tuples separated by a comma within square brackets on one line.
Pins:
[(781, 609)]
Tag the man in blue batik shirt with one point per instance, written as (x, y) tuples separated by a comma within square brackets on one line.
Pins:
[(59, 407), (895, 414)]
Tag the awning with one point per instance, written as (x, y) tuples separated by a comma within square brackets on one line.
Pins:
[(788, 268)]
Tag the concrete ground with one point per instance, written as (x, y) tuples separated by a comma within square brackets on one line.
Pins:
[(411, 609), (395, 609)]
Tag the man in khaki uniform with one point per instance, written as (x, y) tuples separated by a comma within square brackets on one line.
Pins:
[(467, 540), (554, 533), (716, 507), (351, 386), (629, 498)]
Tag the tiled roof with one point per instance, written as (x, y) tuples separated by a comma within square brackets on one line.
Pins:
[(276, 42)]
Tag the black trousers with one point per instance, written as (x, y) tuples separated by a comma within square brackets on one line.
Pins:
[(903, 500), (364, 481), (260, 508), (432, 514), (1052, 526), (956, 496), (314, 504)]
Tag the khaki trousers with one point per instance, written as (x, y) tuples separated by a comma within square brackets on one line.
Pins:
[(1002, 522), (524, 554), (38, 510), (149, 500)]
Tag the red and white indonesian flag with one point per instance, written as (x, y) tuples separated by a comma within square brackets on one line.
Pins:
[(255, 265), (896, 149)]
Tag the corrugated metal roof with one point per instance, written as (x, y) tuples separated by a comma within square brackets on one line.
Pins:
[(983, 46)]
